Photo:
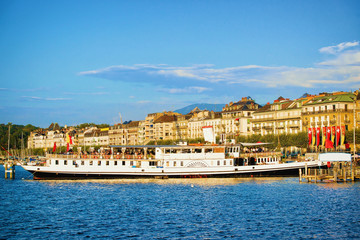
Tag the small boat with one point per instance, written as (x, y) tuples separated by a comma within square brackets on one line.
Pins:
[(167, 161)]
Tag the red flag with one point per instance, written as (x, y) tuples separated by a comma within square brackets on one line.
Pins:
[(328, 133), (329, 144), (338, 133), (70, 139), (317, 136), (67, 147), (310, 135), (54, 148)]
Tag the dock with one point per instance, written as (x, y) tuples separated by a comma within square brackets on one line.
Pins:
[(338, 172)]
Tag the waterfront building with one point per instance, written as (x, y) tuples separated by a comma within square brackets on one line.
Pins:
[(236, 117), (329, 109), (163, 127), (180, 127), (282, 116), (124, 134), (200, 119), (150, 126)]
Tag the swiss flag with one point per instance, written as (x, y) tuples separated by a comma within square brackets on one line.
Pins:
[(328, 133)]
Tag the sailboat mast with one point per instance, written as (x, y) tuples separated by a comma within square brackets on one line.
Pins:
[(9, 142)]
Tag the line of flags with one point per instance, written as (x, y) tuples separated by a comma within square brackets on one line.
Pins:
[(68, 143), (329, 137)]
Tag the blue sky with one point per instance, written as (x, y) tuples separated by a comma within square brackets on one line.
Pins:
[(73, 62)]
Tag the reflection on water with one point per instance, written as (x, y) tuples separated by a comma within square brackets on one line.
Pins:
[(214, 208), (170, 181)]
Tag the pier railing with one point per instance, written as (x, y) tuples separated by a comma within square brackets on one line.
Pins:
[(338, 172)]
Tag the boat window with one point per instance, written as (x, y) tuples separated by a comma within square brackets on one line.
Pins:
[(167, 163), (56, 162), (186, 151), (174, 163), (74, 162), (99, 163), (231, 162), (65, 162), (218, 163), (181, 163), (153, 163), (115, 163), (131, 163), (224, 162), (91, 163), (197, 150), (208, 150), (167, 151), (107, 163), (82, 162), (123, 163)]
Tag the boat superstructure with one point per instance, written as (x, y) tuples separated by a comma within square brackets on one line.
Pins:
[(155, 161)]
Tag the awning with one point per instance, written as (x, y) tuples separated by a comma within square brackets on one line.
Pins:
[(254, 144), (335, 157)]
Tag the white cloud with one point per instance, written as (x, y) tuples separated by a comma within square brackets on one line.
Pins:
[(342, 69), (346, 58), (185, 90), (45, 99), (338, 48)]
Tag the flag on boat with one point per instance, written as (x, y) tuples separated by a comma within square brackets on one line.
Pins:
[(68, 139), (54, 148), (68, 142)]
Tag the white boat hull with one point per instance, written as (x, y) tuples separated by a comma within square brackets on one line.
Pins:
[(70, 172)]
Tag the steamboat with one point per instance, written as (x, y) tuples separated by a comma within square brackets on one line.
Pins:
[(175, 161)]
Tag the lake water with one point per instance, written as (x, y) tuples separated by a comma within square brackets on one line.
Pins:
[(265, 208)]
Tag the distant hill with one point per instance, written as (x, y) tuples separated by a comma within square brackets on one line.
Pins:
[(201, 106)]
